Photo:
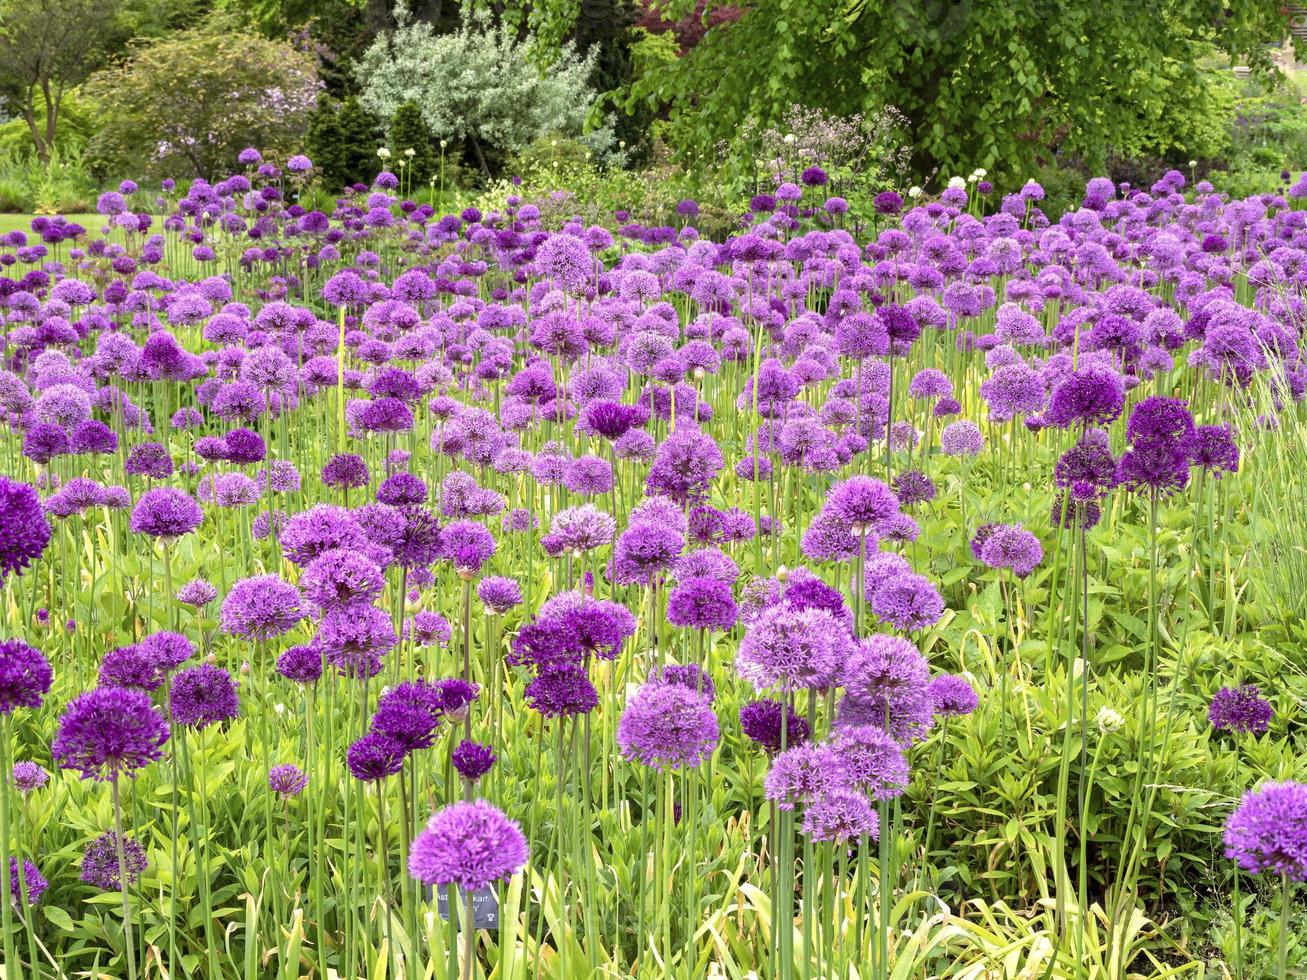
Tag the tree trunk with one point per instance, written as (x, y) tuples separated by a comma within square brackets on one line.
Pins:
[(481, 157)]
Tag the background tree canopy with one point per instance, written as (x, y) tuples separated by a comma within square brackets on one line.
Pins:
[(992, 83)]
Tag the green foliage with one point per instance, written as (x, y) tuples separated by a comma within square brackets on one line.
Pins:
[(483, 85), (408, 132), (994, 83), (60, 185), (342, 141), (187, 104)]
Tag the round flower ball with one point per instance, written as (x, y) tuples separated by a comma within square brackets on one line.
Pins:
[(25, 676), (668, 726), (471, 845), (166, 512), (24, 529), (108, 732), (1268, 831)]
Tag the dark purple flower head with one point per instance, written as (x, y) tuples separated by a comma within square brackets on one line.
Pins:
[(1213, 449), (1159, 418), (499, 594), (467, 545), (913, 487), (374, 757), (355, 638), (689, 675), (862, 503), (245, 447), (1158, 466), (455, 695), (202, 696), (301, 664), (197, 593), (166, 512), (1268, 831), (644, 550), (25, 676), (345, 471), (1240, 709), (560, 691), (409, 714), (402, 489), (472, 759), (33, 883), (130, 666), (1089, 396), (167, 650), (761, 721), (108, 732), (471, 845), (100, 862), (684, 465)]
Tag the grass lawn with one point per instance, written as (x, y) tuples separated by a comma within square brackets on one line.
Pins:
[(23, 222)]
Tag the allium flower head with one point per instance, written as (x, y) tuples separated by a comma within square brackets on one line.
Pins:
[(793, 648), (32, 882), (1010, 546), (702, 603), (108, 732), (100, 862), (668, 726), (840, 814), (761, 721), (287, 780), (873, 761), (499, 594), (197, 593), (202, 696), (260, 608), (862, 503), (1240, 709), (24, 529), (28, 776), (471, 845), (25, 676), (1089, 396), (374, 757), (805, 772), (166, 512), (1268, 831), (472, 759), (952, 695), (561, 690)]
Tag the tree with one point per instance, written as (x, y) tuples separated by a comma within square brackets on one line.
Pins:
[(342, 142), (46, 48), (995, 83), (408, 131), (484, 85), (189, 102)]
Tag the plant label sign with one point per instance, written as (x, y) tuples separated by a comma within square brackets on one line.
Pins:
[(485, 907)]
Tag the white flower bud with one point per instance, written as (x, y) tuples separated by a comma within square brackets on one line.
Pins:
[(1109, 721)]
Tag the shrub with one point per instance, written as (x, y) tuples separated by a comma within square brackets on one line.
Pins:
[(342, 141)]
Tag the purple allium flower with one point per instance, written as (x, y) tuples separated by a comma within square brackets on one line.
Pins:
[(589, 476), (410, 714), (374, 757), (952, 695), (887, 202), (913, 487), (1213, 449), (100, 862), (565, 259), (202, 696), (196, 593), (838, 815), (645, 549), (149, 459), (1160, 418), (24, 529), (961, 438), (761, 721), (561, 690), (873, 761), (428, 628), (419, 542), (260, 608), (355, 638), (1089, 396), (130, 666), (287, 780), (613, 420), (689, 675), (468, 545), (499, 594), (667, 726), (402, 489), (345, 288), (804, 772), (794, 648), (108, 732), (28, 776), (1011, 546), (1240, 709), (166, 512), (166, 649), (472, 759), (472, 845), (345, 471), (907, 602), (340, 577), (301, 664), (702, 603), (1154, 465), (25, 676), (318, 529), (33, 882), (245, 447), (578, 530), (862, 503), (1268, 831), (684, 465), (455, 696)]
